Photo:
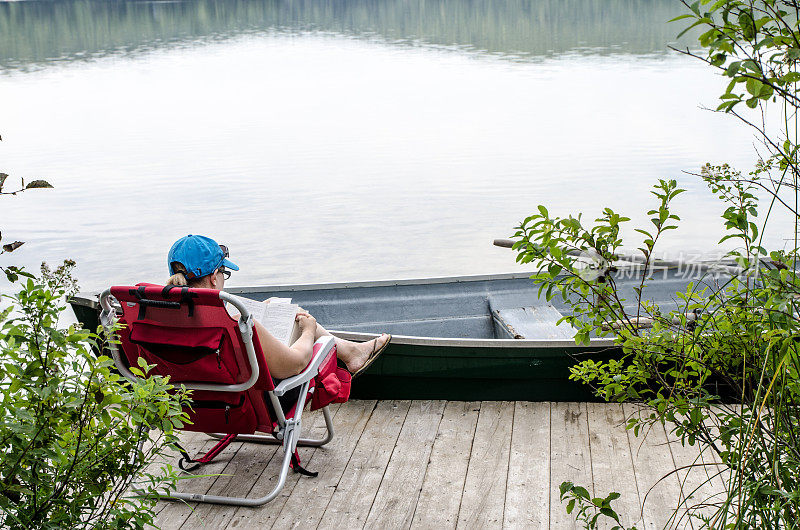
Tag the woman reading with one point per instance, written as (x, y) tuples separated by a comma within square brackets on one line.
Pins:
[(200, 262)]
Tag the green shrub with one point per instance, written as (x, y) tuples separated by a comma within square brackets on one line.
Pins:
[(75, 436), (734, 337), (739, 333)]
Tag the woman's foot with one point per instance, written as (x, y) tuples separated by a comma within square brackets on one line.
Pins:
[(362, 352)]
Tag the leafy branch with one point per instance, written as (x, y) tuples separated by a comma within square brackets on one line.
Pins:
[(13, 273)]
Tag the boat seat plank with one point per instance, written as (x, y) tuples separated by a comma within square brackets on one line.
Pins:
[(536, 322)]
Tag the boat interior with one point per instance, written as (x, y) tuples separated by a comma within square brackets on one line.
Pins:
[(481, 307)]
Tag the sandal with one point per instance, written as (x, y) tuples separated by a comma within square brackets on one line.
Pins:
[(372, 356)]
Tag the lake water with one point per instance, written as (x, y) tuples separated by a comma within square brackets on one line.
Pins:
[(337, 140)]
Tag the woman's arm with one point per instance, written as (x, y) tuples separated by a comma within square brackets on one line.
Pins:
[(285, 361)]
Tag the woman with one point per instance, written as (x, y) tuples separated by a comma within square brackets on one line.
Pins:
[(198, 261)]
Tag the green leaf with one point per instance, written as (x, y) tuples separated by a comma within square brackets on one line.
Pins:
[(752, 66), (694, 25), (565, 487), (580, 491), (748, 25), (38, 184), (608, 512), (731, 71), (11, 247), (754, 86)]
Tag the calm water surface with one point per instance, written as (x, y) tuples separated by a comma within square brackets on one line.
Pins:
[(344, 140)]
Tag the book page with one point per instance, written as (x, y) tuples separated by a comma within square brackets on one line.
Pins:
[(279, 319), (256, 308), (279, 300), (275, 314)]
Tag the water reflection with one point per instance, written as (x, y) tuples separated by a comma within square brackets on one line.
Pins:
[(343, 140), (37, 32)]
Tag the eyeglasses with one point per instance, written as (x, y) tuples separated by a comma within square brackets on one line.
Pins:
[(225, 253)]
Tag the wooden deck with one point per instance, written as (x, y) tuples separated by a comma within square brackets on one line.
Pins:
[(447, 464)]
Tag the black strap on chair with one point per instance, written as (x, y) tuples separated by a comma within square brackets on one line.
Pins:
[(186, 296), (144, 303), (209, 456), (297, 468)]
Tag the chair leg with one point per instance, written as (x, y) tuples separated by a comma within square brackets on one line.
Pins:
[(239, 501), (269, 439), (290, 442)]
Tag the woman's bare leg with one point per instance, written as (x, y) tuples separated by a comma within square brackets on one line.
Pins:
[(353, 354)]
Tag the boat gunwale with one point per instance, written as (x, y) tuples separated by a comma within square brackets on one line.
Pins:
[(87, 299), (478, 343), (382, 283)]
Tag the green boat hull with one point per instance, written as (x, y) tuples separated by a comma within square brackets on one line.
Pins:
[(407, 371), (448, 342)]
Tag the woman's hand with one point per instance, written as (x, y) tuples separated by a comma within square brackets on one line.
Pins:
[(306, 322)]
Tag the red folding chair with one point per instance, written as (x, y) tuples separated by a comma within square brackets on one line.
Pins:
[(189, 335)]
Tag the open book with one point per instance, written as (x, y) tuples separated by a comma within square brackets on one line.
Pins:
[(278, 316)]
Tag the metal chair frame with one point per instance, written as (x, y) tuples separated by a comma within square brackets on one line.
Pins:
[(288, 431)]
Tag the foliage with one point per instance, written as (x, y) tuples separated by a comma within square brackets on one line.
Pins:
[(754, 43), (720, 366), (75, 436), (731, 333), (12, 272), (590, 509)]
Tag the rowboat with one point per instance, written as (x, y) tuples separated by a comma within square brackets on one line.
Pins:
[(486, 337)]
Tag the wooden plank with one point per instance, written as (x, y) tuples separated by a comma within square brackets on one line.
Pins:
[(612, 466), (570, 457), (307, 501), (699, 481), (443, 484), (177, 512), (235, 479), (241, 475), (529, 467), (652, 462), (721, 474), (192, 442), (483, 501), (397, 495), (351, 502)]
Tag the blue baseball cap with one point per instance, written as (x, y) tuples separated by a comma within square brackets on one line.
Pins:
[(200, 255)]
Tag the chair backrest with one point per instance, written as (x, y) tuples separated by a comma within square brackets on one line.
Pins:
[(189, 335)]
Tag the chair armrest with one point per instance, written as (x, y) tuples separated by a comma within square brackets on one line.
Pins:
[(310, 371)]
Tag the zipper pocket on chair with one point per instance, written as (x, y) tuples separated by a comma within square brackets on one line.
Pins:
[(219, 405)]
